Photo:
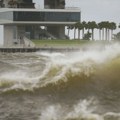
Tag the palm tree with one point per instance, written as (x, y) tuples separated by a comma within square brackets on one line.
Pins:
[(100, 27), (84, 26), (112, 27), (79, 27), (75, 27), (106, 26), (70, 27), (92, 25), (103, 26)]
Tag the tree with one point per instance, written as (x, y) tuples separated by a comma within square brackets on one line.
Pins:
[(119, 25), (117, 36), (70, 27), (75, 27), (87, 36), (100, 27), (106, 26), (79, 27), (84, 24), (92, 25), (112, 27)]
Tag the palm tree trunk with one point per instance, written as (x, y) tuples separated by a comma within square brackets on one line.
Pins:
[(108, 35), (99, 34), (68, 32), (103, 34), (92, 34), (74, 33), (78, 34), (82, 33), (111, 34)]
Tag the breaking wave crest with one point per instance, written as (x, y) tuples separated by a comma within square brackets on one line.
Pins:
[(46, 71)]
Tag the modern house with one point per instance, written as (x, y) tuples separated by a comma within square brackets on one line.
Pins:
[(22, 21)]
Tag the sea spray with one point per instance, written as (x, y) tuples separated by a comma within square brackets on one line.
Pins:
[(57, 66), (61, 86), (84, 109)]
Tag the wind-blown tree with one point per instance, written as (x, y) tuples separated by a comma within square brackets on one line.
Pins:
[(92, 25)]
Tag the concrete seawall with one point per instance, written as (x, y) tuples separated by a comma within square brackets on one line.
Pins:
[(28, 50)]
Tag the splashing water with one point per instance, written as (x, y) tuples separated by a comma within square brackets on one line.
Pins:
[(82, 85)]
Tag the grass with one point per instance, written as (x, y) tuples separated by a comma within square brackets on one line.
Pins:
[(65, 43)]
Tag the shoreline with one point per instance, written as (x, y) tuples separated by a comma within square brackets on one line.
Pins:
[(36, 49), (57, 47)]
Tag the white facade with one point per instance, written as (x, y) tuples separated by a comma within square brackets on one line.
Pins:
[(25, 22)]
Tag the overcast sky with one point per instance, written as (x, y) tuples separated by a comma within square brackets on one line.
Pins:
[(93, 10), (97, 10)]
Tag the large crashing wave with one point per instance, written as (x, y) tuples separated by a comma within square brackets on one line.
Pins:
[(61, 71)]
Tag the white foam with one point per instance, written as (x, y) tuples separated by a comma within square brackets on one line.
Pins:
[(75, 62), (84, 109)]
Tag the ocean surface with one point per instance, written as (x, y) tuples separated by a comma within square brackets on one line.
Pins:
[(81, 85)]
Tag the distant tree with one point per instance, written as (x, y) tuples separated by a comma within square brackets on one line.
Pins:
[(84, 27), (117, 36), (75, 27), (106, 26), (79, 27), (87, 36), (92, 25), (113, 26), (100, 27), (70, 27), (119, 25)]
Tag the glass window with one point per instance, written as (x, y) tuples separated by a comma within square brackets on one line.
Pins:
[(47, 16)]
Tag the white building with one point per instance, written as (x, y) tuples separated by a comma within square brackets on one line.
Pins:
[(21, 20)]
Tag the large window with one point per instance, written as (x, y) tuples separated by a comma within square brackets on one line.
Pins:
[(47, 16)]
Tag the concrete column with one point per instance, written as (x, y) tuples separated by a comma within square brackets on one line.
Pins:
[(8, 35), (13, 34)]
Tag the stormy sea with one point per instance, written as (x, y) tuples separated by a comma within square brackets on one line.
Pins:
[(78, 85)]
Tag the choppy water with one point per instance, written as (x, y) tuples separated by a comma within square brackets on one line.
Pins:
[(83, 85)]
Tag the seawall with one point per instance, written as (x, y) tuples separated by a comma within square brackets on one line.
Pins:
[(28, 50)]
